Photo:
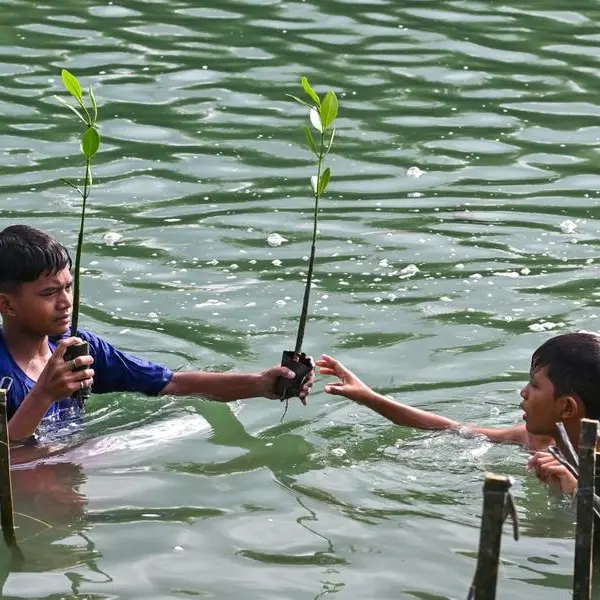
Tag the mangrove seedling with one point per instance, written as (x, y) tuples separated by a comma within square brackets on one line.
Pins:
[(322, 115), (90, 142)]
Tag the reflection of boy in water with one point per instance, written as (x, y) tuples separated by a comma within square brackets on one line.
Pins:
[(36, 301), (49, 508), (564, 386)]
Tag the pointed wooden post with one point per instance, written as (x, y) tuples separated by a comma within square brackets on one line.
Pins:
[(584, 533), (497, 503)]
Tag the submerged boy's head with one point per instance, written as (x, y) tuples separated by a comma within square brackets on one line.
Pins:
[(35, 281), (564, 382)]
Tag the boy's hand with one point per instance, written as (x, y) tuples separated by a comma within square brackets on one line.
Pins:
[(268, 379), (551, 472), (58, 380), (349, 385)]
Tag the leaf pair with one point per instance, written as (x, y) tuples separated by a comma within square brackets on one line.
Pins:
[(90, 141), (322, 114)]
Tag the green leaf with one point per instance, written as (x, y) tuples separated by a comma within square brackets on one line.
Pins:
[(72, 108), (330, 141), (72, 84), (310, 92), (324, 181), (329, 109), (299, 100), (310, 140), (94, 105), (90, 142)]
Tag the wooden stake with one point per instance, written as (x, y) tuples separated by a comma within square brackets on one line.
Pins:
[(6, 498), (496, 505), (584, 533)]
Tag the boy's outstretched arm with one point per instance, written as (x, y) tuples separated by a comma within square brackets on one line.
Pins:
[(350, 386), (226, 387)]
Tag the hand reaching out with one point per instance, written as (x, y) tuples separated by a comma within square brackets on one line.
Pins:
[(349, 385)]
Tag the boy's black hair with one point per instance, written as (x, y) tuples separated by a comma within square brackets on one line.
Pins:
[(26, 253), (573, 361)]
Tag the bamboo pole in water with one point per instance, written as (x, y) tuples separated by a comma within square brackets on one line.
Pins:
[(496, 505), (6, 498), (584, 533)]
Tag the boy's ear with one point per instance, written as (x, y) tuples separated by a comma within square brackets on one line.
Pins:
[(6, 305), (573, 408)]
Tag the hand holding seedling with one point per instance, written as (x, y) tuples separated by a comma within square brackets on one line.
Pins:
[(322, 115)]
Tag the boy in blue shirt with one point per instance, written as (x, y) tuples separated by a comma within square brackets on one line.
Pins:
[(36, 301)]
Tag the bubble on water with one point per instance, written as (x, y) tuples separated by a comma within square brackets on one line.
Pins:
[(384, 262), (459, 266), (177, 549), (275, 240), (475, 276), (112, 237), (276, 262), (213, 262), (280, 303), (414, 172), (409, 271), (512, 274), (525, 271), (152, 315), (545, 326), (568, 226), (338, 452)]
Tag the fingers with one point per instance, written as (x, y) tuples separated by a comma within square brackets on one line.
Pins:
[(335, 389), (539, 459), (331, 366), (81, 361), (285, 372), (326, 371), (81, 380)]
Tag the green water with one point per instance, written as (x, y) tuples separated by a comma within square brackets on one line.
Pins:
[(202, 159)]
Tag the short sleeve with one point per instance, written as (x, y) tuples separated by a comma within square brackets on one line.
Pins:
[(117, 371)]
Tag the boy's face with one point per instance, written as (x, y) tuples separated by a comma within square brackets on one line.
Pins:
[(43, 306), (542, 408)]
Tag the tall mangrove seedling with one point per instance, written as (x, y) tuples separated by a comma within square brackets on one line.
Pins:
[(322, 116), (90, 142)]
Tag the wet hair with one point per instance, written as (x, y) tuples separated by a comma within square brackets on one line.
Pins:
[(26, 253), (573, 362)]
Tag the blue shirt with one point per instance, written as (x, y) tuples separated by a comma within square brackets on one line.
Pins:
[(115, 371)]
